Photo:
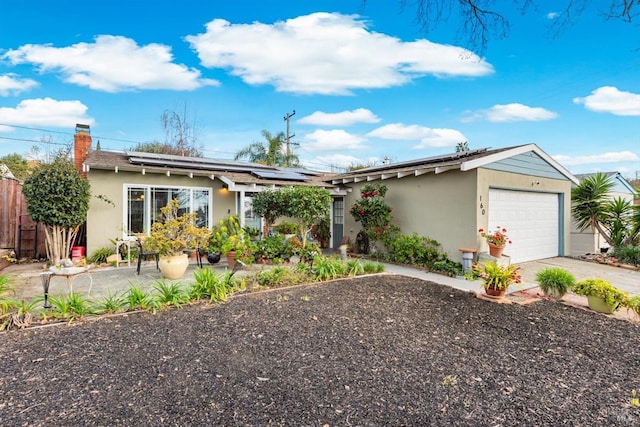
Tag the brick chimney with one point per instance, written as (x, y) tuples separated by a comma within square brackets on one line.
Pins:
[(81, 146)]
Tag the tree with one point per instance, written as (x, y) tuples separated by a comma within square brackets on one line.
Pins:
[(268, 205), (58, 197), (181, 137), (271, 153), (17, 164), (373, 212), (462, 147), (306, 204), (481, 20)]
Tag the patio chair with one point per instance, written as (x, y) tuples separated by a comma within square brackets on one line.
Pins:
[(146, 254)]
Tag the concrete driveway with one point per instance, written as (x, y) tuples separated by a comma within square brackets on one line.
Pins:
[(622, 278)]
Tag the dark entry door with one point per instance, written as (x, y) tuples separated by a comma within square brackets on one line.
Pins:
[(338, 221)]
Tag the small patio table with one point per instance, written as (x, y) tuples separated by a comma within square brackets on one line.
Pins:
[(70, 273)]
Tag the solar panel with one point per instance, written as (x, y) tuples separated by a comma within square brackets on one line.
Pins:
[(285, 176)]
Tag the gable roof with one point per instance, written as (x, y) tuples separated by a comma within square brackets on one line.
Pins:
[(620, 182), (463, 161), (237, 175)]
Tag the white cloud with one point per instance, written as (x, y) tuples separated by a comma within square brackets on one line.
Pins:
[(612, 157), (552, 15), (46, 112), (428, 137), (608, 99), (331, 140), (10, 84), (344, 118), (327, 53), (514, 112), (112, 64)]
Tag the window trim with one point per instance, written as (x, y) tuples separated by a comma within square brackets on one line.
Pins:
[(126, 187)]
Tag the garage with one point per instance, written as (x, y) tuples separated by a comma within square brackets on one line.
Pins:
[(532, 220)]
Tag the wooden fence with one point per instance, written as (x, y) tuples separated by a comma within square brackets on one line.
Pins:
[(17, 230)]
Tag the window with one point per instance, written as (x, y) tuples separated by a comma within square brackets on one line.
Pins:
[(144, 203)]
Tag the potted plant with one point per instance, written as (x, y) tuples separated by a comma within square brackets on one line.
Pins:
[(496, 278), (233, 240), (322, 232), (171, 237), (496, 240), (603, 297), (555, 282), (287, 228)]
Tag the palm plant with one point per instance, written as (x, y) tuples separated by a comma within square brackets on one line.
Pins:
[(270, 153), (589, 199)]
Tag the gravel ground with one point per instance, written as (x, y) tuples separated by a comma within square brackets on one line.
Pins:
[(377, 350)]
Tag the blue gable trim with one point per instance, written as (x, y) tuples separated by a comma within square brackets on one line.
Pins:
[(528, 163)]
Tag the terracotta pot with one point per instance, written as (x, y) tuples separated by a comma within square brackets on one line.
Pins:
[(495, 293), (495, 250), (173, 267), (231, 259)]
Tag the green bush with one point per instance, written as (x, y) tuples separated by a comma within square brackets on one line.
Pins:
[(603, 289), (627, 254), (212, 286), (100, 255), (555, 278), (287, 227), (414, 249)]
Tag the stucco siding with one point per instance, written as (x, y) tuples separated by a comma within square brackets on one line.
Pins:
[(438, 206), (105, 221)]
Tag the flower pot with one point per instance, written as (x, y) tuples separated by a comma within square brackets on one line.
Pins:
[(495, 250), (213, 258), (555, 294), (231, 259), (495, 293), (173, 267), (599, 305)]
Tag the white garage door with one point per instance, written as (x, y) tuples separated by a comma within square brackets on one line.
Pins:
[(532, 222)]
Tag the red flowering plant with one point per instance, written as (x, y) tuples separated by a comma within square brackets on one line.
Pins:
[(373, 212), (498, 237)]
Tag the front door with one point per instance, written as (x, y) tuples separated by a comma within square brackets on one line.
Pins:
[(338, 222)]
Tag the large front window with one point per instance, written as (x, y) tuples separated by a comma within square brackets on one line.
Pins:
[(143, 205)]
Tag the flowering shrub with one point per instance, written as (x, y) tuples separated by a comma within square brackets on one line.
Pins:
[(498, 237), (373, 212), (495, 276)]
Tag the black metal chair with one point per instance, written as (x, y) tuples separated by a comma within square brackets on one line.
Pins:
[(146, 254)]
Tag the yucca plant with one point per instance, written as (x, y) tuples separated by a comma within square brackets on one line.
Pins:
[(24, 314)]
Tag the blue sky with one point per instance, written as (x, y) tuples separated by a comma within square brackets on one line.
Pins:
[(365, 82)]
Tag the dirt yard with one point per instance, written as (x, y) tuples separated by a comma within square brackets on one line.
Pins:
[(377, 350)]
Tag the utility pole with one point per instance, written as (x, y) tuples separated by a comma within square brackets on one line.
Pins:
[(288, 137)]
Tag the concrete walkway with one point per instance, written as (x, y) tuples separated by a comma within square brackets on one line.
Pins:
[(111, 279)]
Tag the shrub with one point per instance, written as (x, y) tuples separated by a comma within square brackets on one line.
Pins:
[(112, 303), (212, 286), (287, 227), (555, 278), (628, 254), (282, 276), (170, 293), (603, 289), (414, 249), (100, 255)]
